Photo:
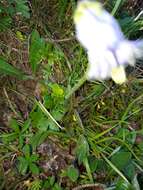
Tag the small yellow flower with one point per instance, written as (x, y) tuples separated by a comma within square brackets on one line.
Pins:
[(20, 36), (74, 118)]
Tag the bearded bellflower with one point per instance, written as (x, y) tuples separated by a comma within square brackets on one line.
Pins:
[(109, 52)]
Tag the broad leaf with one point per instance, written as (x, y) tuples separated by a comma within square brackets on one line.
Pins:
[(72, 173), (121, 159)]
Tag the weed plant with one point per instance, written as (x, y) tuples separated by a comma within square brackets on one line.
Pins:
[(62, 132)]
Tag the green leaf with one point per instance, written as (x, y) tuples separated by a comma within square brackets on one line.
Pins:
[(53, 126), (9, 137), (34, 158), (58, 112), (34, 168), (14, 125), (21, 141), (57, 90), (130, 170), (36, 117), (35, 185), (98, 89), (37, 50), (38, 138), (52, 180), (93, 162), (26, 126), (23, 165), (121, 159), (101, 165), (82, 149), (7, 69), (46, 184), (26, 150), (56, 187), (123, 185), (22, 7), (5, 23), (43, 124), (72, 173)]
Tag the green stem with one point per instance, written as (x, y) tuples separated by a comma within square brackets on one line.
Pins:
[(45, 111), (88, 170), (76, 87), (116, 7)]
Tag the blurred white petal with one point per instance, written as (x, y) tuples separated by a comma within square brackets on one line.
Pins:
[(125, 53), (100, 64), (108, 50), (95, 35)]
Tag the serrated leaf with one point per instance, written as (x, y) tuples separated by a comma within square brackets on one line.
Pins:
[(72, 173)]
